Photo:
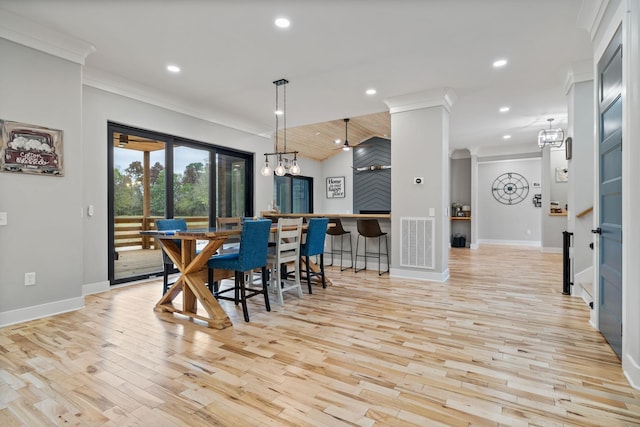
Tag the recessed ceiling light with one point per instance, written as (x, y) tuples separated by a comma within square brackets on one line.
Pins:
[(173, 68), (371, 91), (317, 133), (500, 63), (504, 109), (282, 23), (337, 141), (506, 137)]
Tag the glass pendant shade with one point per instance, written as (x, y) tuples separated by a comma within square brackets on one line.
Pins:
[(550, 137), (280, 170), (266, 170), (295, 169)]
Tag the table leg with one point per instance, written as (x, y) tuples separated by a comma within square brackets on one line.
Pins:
[(191, 282)]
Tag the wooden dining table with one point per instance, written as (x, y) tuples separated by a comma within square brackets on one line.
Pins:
[(192, 282), (192, 266)]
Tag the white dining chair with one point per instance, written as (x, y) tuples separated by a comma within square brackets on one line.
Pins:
[(286, 250)]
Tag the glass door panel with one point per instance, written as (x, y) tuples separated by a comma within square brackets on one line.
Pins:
[(138, 199), (231, 194), (191, 185)]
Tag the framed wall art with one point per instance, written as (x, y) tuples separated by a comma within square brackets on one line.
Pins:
[(30, 149), (335, 187)]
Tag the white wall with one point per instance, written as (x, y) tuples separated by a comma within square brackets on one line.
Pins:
[(581, 172), (340, 164), (99, 108), (507, 224), (420, 148), (44, 231), (627, 14), (553, 226), (631, 199)]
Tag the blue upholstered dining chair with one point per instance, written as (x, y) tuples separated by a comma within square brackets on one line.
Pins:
[(252, 254), (178, 224), (314, 245)]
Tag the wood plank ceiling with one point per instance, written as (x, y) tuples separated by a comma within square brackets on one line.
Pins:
[(315, 141)]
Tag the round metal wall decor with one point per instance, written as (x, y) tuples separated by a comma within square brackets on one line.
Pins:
[(510, 188)]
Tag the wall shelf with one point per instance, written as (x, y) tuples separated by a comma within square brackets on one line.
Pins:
[(460, 218)]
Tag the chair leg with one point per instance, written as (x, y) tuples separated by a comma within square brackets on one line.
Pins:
[(236, 289), (165, 279), (332, 252), (240, 282), (276, 280), (350, 251), (264, 289), (324, 282), (210, 280), (386, 244), (379, 252), (308, 275), (355, 268)]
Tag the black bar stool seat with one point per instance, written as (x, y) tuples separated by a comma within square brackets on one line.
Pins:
[(370, 229), (338, 231)]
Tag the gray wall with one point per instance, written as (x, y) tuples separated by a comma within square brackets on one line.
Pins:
[(509, 224), (44, 231), (101, 106), (461, 193), (372, 189), (553, 226), (421, 148), (581, 173)]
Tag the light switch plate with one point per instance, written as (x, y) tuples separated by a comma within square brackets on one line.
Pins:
[(3, 218), (432, 212)]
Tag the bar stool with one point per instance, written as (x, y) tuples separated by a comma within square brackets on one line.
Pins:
[(338, 231), (370, 228)]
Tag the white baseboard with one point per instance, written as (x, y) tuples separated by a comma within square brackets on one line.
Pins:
[(430, 276), (95, 288), (39, 311), (631, 370), (585, 280), (534, 243), (474, 246), (548, 250)]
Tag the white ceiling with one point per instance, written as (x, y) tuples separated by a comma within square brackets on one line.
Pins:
[(230, 52)]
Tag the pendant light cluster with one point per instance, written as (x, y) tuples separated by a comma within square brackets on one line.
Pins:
[(287, 161)]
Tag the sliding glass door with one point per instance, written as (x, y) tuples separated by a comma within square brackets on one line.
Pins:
[(155, 176), (293, 194)]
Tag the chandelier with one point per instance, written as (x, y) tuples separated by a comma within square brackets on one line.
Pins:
[(287, 161), (550, 137)]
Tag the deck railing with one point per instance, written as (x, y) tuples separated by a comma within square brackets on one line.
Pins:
[(127, 230)]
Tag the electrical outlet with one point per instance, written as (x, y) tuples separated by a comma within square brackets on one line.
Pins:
[(29, 279)]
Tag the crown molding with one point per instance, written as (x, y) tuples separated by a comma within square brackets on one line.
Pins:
[(20, 30), (590, 15), (444, 97), (120, 86), (580, 72)]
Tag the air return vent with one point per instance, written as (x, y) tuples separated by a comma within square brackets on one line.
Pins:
[(416, 246)]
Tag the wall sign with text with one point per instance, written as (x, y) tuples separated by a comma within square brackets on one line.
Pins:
[(335, 187)]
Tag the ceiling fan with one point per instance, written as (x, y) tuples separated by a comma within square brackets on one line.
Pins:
[(345, 146)]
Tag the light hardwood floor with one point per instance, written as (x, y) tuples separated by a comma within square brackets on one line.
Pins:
[(497, 344)]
